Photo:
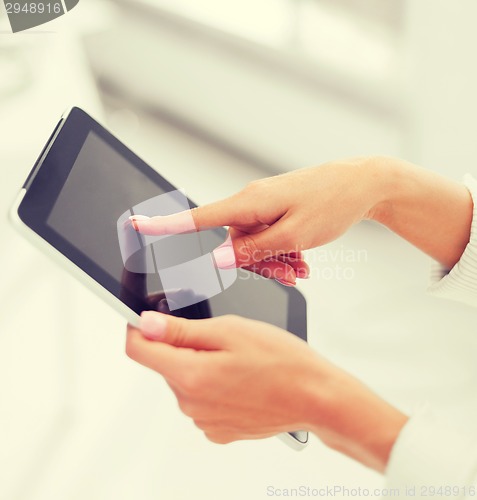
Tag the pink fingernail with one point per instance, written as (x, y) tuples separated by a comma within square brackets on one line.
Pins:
[(153, 325), (135, 218), (285, 282), (225, 257)]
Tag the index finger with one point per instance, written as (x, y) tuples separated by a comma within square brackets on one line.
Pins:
[(225, 212)]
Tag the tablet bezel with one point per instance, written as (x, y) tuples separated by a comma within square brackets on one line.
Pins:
[(47, 179)]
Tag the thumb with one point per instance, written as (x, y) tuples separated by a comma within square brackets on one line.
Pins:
[(198, 334)]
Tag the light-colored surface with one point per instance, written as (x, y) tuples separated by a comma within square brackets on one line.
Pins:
[(79, 420), (285, 112)]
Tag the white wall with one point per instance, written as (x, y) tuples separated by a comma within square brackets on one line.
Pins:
[(285, 110), (441, 74), (77, 418)]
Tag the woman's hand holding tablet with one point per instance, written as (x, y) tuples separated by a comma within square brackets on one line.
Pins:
[(244, 379), (71, 206)]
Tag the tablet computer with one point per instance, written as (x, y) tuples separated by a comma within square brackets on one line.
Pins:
[(75, 204)]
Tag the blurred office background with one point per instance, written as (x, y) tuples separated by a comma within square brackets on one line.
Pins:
[(214, 94)]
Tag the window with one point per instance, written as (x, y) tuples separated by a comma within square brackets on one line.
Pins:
[(321, 30), (265, 21)]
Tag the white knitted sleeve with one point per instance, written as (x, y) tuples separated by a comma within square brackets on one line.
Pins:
[(432, 459)]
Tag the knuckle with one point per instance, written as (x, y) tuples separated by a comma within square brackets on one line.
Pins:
[(186, 407), (217, 438), (249, 250), (132, 347), (188, 383), (253, 187), (229, 318), (193, 382), (202, 424), (196, 215), (230, 321), (180, 334)]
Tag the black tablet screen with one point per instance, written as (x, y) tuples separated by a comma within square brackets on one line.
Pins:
[(102, 184)]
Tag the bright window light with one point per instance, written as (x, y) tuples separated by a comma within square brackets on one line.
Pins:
[(357, 37), (340, 39), (265, 21)]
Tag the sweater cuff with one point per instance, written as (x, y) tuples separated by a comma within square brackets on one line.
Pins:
[(460, 283), (429, 456)]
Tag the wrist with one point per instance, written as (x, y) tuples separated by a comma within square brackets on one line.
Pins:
[(351, 419), (385, 179), (414, 202)]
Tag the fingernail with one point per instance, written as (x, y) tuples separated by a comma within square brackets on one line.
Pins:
[(153, 325), (224, 257), (285, 282), (135, 218)]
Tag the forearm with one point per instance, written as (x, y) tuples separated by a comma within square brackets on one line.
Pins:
[(428, 210), (348, 417), (434, 214)]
